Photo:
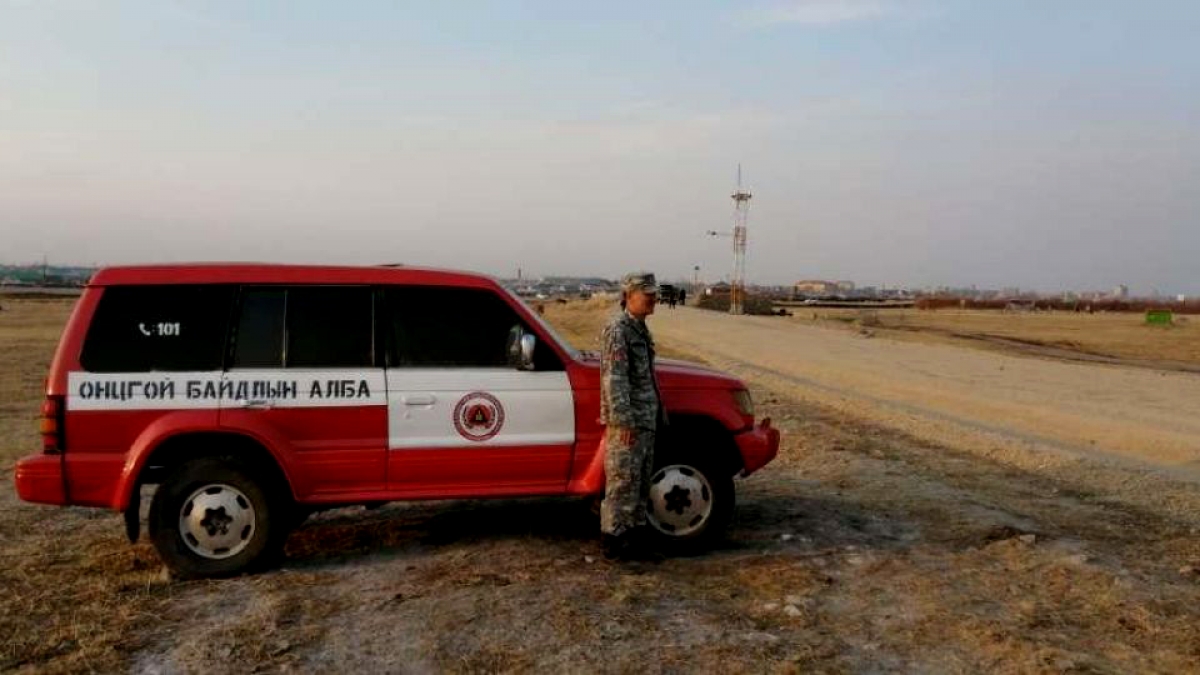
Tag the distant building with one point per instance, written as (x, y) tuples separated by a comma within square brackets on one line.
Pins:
[(845, 286), (815, 287), (1121, 292)]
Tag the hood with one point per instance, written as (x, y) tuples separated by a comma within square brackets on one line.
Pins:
[(676, 374)]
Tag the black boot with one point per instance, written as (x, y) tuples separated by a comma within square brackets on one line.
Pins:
[(615, 546), (643, 545)]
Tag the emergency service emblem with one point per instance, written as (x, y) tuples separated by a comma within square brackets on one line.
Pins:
[(478, 416)]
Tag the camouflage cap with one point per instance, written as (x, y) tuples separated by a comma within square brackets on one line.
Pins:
[(639, 281)]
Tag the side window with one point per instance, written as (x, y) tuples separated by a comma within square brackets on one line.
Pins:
[(166, 328), (329, 327), (258, 340), (305, 327), (442, 327)]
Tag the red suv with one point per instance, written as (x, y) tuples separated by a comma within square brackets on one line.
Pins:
[(251, 395)]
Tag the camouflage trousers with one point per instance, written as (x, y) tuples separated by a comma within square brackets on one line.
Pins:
[(627, 469)]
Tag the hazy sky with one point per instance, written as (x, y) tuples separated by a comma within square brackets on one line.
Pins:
[(1049, 144)]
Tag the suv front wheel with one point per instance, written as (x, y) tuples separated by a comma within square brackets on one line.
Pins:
[(211, 518), (690, 504)]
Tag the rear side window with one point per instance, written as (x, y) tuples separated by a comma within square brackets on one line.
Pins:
[(167, 328), (259, 335), (305, 327)]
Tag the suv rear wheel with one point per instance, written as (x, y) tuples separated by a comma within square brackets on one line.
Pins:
[(211, 518)]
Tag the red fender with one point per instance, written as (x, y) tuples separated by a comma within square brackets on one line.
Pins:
[(179, 423)]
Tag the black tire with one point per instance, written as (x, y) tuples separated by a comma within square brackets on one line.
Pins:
[(242, 530), (691, 502)]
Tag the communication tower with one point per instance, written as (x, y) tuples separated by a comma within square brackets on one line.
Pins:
[(737, 282)]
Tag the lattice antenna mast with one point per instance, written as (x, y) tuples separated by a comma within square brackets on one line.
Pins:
[(741, 212)]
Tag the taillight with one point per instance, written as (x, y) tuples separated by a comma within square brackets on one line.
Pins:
[(52, 425)]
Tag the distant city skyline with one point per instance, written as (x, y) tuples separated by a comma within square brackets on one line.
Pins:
[(553, 278), (1054, 146)]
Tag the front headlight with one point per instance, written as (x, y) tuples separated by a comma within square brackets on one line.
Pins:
[(741, 398)]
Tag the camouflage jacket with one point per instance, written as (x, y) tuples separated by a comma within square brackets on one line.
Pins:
[(629, 394)]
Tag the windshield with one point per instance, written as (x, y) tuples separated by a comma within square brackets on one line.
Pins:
[(571, 351)]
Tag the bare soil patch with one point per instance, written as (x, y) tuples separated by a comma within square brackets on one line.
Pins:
[(1113, 338)]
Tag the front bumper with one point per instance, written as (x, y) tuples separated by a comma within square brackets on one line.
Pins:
[(758, 446), (39, 479)]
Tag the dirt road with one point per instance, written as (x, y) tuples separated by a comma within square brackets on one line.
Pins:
[(1048, 410)]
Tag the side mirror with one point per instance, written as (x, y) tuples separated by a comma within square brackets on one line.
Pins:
[(521, 346), (528, 345)]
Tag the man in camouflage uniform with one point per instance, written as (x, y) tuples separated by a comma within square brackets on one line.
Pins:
[(630, 409)]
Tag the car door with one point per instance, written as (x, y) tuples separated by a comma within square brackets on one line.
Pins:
[(461, 420), (303, 375)]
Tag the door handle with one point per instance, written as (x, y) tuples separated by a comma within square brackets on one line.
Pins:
[(420, 399), (257, 404)]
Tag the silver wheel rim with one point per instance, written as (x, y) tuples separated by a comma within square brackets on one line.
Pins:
[(681, 500), (217, 521)]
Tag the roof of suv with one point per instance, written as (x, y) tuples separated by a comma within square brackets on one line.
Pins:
[(264, 273)]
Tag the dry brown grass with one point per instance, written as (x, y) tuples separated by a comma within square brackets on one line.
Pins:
[(73, 587), (912, 553), (857, 550), (580, 323), (923, 552), (1121, 335)]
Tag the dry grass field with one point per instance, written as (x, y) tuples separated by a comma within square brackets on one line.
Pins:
[(861, 549), (71, 589), (1121, 336)]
